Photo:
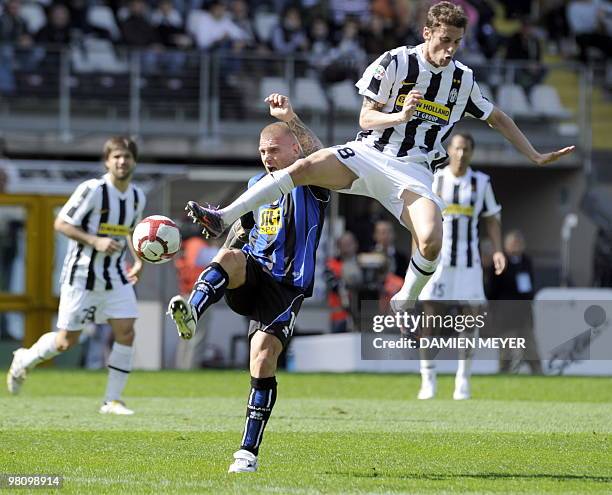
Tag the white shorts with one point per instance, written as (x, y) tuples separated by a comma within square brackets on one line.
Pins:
[(450, 283), (385, 178), (78, 307)]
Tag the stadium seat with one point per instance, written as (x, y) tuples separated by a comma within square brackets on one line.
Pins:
[(545, 101), (102, 17), (97, 55), (264, 23), (512, 99), (309, 95), (34, 16), (270, 85), (345, 97)]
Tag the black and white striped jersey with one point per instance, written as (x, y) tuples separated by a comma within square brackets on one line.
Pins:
[(100, 209), (468, 198), (448, 94)]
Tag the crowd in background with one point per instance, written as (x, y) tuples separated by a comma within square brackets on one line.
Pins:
[(330, 32)]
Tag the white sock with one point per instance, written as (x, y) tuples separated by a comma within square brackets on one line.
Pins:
[(44, 348), (267, 190), (464, 368), (419, 272), (428, 367), (119, 367), (464, 363)]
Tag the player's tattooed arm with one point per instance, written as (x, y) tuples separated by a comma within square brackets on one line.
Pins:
[(280, 108), (307, 139), (237, 236), (369, 103)]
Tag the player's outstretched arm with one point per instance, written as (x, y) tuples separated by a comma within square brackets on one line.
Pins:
[(499, 121), (280, 108), (105, 245)]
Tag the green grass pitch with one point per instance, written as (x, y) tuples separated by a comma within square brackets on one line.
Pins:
[(351, 433)]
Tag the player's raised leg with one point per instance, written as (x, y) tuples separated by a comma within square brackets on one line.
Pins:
[(46, 347), (322, 169), (265, 350), (119, 366), (227, 271), (424, 220)]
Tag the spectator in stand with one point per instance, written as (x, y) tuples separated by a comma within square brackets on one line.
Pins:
[(347, 59), (289, 36), (406, 23), (344, 279), (384, 242), (79, 23), (378, 34), (54, 35), (15, 45), (241, 16), (320, 42), (516, 283), (137, 32), (586, 21), (169, 25), (213, 29), (554, 20), (313, 9), (57, 29), (524, 46)]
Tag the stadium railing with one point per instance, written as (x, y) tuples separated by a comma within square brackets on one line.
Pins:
[(95, 88)]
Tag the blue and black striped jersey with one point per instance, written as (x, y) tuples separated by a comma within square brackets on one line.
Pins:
[(286, 235)]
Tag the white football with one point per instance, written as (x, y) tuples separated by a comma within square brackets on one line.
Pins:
[(156, 239)]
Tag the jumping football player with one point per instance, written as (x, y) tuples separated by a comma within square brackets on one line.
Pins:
[(413, 96)]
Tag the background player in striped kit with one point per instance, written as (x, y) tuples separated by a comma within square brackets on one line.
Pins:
[(271, 275), (98, 218), (469, 197), (413, 96)]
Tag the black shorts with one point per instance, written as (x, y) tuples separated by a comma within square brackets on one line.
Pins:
[(273, 306)]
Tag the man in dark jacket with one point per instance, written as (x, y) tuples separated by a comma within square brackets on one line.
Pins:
[(516, 284)]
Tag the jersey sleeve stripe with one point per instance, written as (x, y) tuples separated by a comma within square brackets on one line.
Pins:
[(374, 85), (79, 202)]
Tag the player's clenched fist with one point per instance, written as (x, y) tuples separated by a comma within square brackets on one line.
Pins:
[(280, 107), (410, 104)]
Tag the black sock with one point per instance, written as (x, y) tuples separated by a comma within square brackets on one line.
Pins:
[(259, 408), (209, 288)]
